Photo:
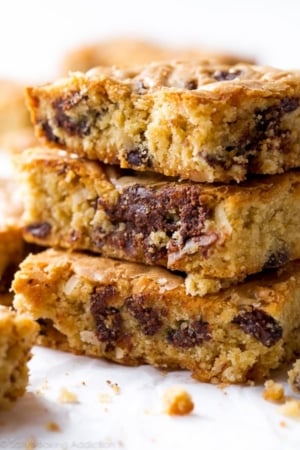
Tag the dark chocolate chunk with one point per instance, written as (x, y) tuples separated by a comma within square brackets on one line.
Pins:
[(39, 229), (7, 277), (49, 133), (188, 335), (289, 104), (260, 325), (108, 318), (226, 75), (277, 260), (191, 85), (148, 318), (139, 157), (142, 210)]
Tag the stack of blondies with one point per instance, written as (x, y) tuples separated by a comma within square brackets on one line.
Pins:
[(170, 198)]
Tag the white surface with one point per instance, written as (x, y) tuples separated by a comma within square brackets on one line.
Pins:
[(33, 35), (235, 418)]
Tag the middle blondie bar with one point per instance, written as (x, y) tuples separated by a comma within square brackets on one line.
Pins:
[(216, 234)]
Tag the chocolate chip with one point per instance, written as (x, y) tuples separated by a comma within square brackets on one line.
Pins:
[(62, 105), (289, 104), (143, 210), (188, 335), (49, 133), (108, 318), (139, 157), (148, 317), (226, 75), (260, 325), (39, 229), (277, 260), (191, 85)]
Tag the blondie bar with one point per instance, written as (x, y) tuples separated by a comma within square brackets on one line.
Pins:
[(12, 245), (124, 51), (16, 131), (216, 234), (135, 314), (198, 121), (17, 335)]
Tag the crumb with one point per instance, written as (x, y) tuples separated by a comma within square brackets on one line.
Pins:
[(177, 401), (106, 410), (273, 392), (282, 423), (66, 396), (52, 426), (291, 408), (115, 387), (294, 376), (30, 443), (104, 398), (83, 383)]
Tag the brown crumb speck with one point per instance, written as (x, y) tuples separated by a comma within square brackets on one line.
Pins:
[(273, 392), (282, 423), (115, 387), (66, 396), (177, 401), (52, 426)]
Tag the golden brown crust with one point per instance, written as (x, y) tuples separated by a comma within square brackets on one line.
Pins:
[(198, 121), (210, 232), (136, 314), (17, 335), (125, 51)]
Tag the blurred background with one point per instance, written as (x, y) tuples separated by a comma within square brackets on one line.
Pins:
[(35, 34)]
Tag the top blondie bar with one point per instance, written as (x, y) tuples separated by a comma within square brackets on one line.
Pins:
[(194, 120)]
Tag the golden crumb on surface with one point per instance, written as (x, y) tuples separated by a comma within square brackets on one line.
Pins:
[(177, 401), (273, 392), (115, 387), (282, 423), (66, 396), (52, 426), (291, 408), (105, 398), (30, 443)]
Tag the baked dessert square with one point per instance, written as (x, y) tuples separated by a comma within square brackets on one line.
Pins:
[(134, 314), (12, 245), (215, 234), (200, 121), (17, 336)]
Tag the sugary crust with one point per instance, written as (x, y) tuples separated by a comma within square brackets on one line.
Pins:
[(135, 314), (17, 335), (198, 121), (125, 51), (217, 234)]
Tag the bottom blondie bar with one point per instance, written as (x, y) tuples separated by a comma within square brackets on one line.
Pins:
[(17, 335), (135, 314)]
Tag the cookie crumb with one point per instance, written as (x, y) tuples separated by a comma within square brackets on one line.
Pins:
[(52, 426), (66, 396), (177, 401), (30, 443), (273, 392), (282, 423), (115, 387), (291, 408)]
